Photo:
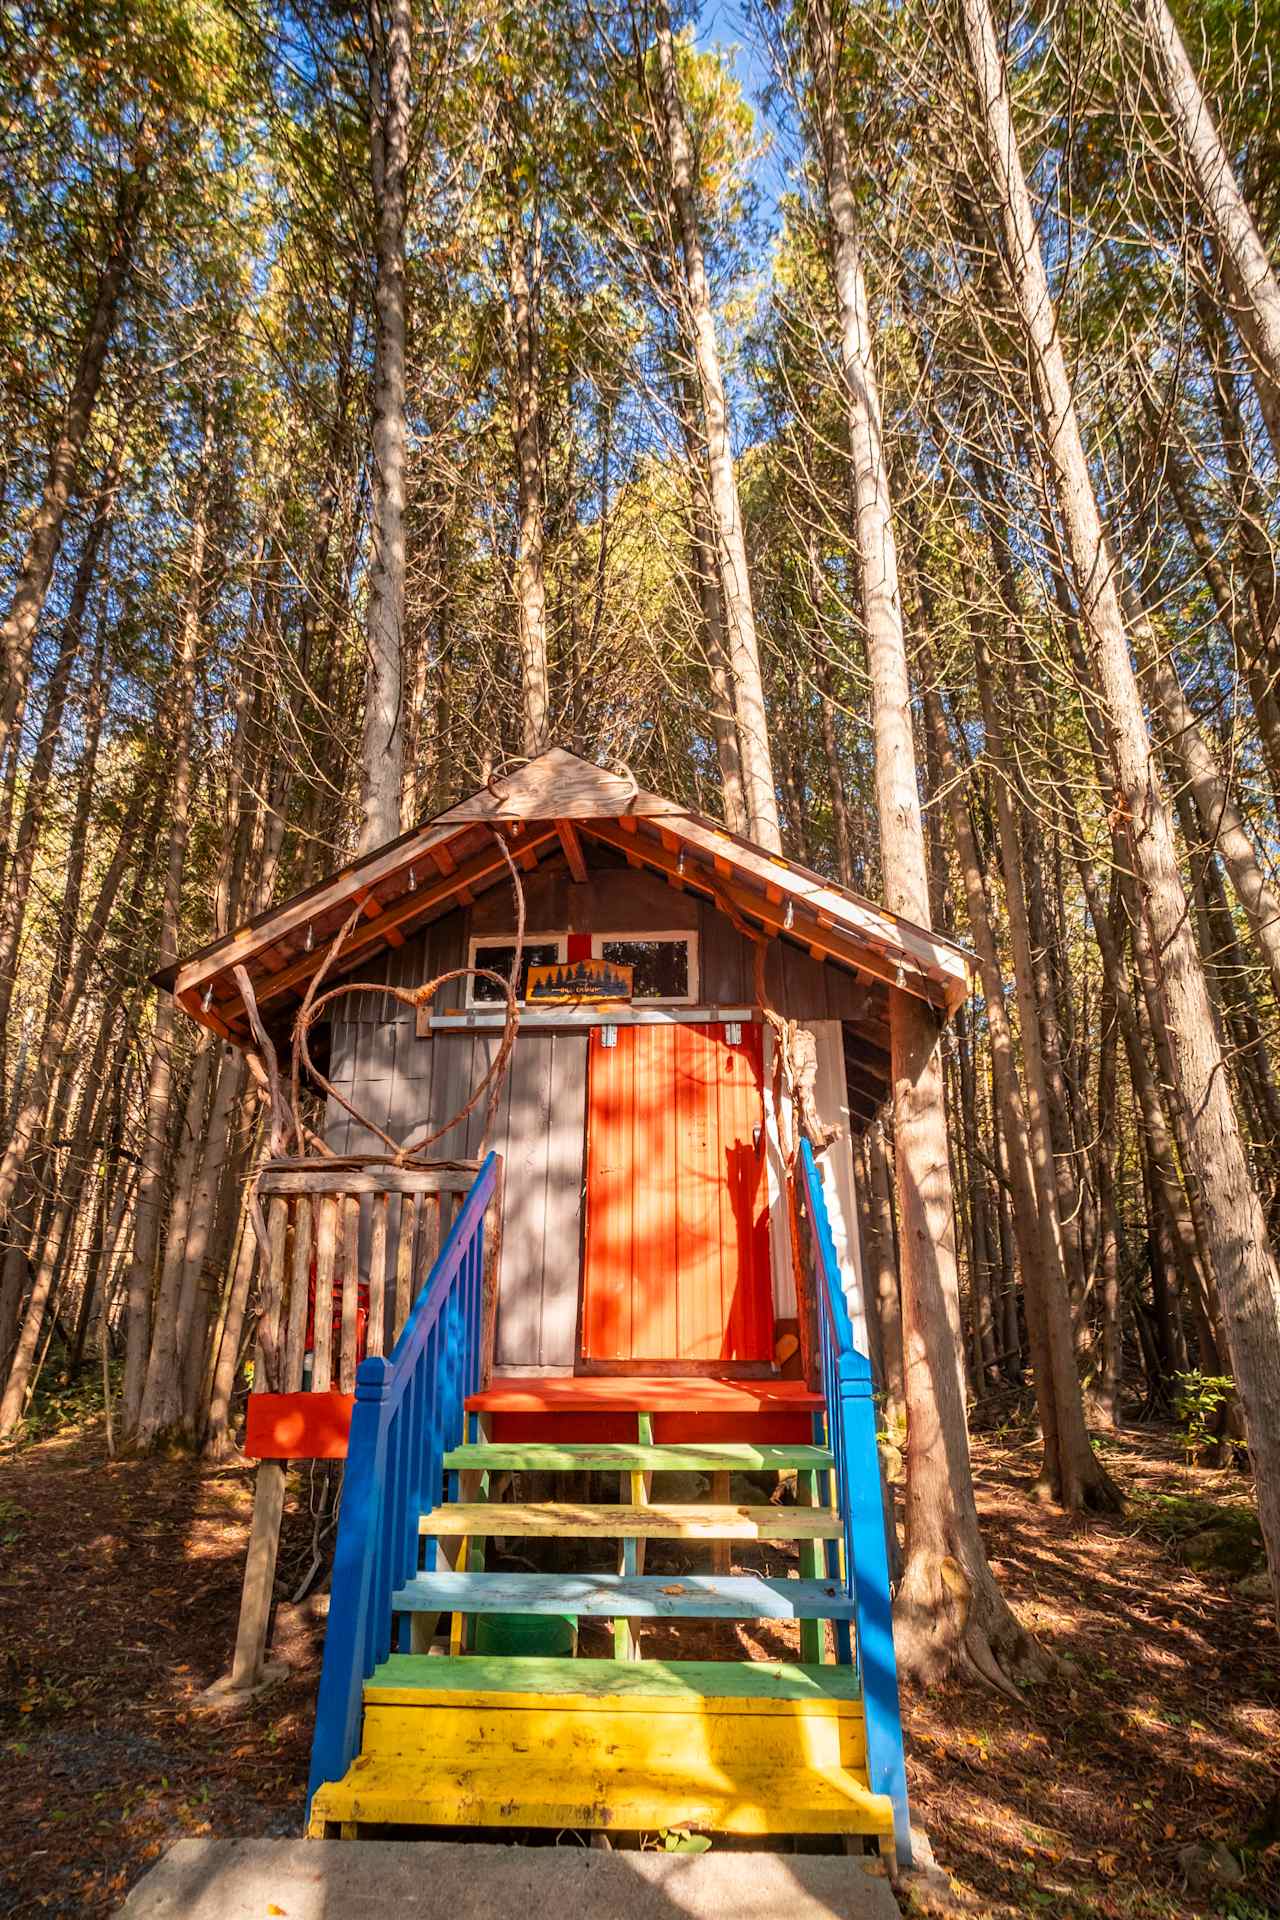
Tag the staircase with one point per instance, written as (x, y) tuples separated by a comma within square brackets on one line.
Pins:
[(419, 1738)]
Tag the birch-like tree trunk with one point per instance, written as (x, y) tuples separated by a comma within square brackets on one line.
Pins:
[(382, 738), (726, 510), (53, 1051), (949, 1610), (180, 715), (526, 410), (1251, 279), (1257, 897), (1248, 1283), (1075, 1475), (39, 774), (44, 535), (706, 573)]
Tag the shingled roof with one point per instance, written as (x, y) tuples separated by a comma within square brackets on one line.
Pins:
[(557, 803)]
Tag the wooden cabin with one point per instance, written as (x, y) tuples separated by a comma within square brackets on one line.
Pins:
[(665, 1179), (645, 1222)]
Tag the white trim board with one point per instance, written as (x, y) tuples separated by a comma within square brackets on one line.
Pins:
[(472, 1019)]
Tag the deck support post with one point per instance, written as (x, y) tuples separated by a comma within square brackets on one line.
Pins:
[(250, 1672), (259, 1574)]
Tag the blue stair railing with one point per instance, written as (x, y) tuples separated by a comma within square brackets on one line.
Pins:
[(851, 1430), (409, 1412)]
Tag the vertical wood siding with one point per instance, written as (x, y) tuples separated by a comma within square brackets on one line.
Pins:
[(402, 1082)]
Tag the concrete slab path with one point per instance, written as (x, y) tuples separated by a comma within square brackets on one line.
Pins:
[(460, 1880)]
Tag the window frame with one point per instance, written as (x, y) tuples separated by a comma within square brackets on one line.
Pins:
[(477, 940), (690, 939)]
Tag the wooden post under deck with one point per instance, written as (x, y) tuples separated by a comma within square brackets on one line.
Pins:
[(248, 1667)]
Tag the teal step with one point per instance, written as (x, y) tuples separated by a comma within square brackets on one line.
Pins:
[(469, 1674), (686, 1596), (627, 1457)]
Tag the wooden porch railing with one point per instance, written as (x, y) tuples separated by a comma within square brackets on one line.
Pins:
[(851, 1435), (409, 1413), (346, 1239), (349, 1246)]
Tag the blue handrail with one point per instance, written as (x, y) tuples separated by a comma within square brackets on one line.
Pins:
[(851, 1428), (409, 1412)]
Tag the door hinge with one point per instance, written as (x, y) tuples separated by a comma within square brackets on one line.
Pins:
[(733, 1032), (608, 1036)]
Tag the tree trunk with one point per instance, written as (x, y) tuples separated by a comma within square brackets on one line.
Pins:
[(724, 724), (217, 1160), (1258, 899), (45, 532), (155, 1140), (726, 510), (1253, 284), (45, 1285), (160, 1410), (1248, 1284), (827, 715), (1072, 1472), (949, 1610), (526, 410), (13, 907), (54, 1048), (888, 1305), (382, 739)]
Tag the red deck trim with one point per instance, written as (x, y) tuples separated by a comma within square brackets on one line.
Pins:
[(298, 1426), (669, 1429), (612, 1393)]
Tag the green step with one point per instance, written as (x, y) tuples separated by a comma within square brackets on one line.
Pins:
[(631, 1457), (685, 1596), (615, 1679)]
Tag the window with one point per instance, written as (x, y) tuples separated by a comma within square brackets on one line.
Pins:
[(541, 951), (664, 965)]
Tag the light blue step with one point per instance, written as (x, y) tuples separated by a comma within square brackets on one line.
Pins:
[(685, 1596)]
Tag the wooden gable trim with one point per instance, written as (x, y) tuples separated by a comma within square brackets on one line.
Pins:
[(557, 784), (826, 941), (900, 938), (410, 906), (355, 881)]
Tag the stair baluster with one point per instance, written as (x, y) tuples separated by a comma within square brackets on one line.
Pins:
[(851, 1434), (408, 1413)]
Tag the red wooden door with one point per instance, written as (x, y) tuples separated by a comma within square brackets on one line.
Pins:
[(677, 1237)]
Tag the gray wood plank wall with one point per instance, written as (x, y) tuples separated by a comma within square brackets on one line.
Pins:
[(401, 1082)]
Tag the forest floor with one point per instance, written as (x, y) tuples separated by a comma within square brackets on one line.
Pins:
[(1143, 1780)]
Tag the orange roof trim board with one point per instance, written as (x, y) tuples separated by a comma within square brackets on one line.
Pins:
[(555, 804)]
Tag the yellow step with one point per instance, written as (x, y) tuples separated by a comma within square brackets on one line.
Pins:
[(550, 1790), (751, 1747), (565, 1520)]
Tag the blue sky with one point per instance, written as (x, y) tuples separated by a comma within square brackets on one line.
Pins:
[(727, 23)]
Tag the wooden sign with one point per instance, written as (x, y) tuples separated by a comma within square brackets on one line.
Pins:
[(590, 982)]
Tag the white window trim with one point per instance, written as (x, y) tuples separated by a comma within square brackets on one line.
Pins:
[(689, 999), (560, 941)]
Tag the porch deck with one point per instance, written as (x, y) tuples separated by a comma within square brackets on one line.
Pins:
[(605, 1407)]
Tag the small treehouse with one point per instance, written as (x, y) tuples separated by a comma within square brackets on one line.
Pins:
[(582, 1219)]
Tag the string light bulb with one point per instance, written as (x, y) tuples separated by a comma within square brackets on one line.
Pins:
[(413, 881), (207, 1002), (311, 936), (789, 917)]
